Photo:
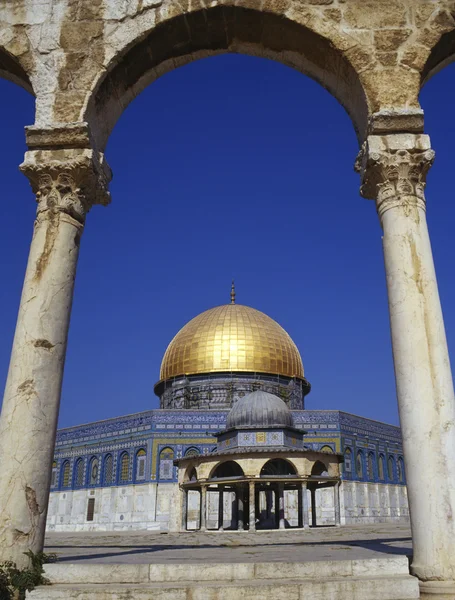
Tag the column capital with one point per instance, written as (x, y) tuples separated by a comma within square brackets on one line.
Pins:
[(67, 180), (393, 170)]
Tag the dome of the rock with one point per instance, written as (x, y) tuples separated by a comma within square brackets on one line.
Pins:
[(231, 338), (258, 410)]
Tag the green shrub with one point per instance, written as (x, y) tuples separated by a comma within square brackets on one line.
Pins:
[(14, 582)]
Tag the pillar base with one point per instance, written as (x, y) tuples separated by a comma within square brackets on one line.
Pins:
[(437, 590)]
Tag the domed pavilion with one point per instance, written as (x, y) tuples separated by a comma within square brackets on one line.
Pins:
[(260, 474)]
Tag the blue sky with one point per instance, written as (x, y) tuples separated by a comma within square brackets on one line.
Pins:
[(231, 166)]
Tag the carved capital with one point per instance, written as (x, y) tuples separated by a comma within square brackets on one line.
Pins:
[(68, 181), (394, 170)]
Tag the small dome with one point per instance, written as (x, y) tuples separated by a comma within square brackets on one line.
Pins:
[(257, 410)]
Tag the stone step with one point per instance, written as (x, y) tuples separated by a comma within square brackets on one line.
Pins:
[(372, 579), (401, 587), (172, 572)]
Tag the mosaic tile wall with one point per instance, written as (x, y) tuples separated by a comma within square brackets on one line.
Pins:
[(372, 450)]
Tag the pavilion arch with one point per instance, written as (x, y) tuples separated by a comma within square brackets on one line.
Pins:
[(227, 468), (216, 30), (319, 468), (191, 474), (278, 466)]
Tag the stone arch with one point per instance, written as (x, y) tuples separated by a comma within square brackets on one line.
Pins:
[(278, 466), (221, 29), (227, 468), (12, 70), (441, 55), (319, 468), (191, 473)]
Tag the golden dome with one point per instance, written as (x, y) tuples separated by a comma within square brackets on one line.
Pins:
[(232, 337)]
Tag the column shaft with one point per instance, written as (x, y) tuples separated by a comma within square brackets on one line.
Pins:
[(240, 517), (31, 401), (395, 173), (220, 508), (252, 503), (313, 508), (184, 504), (203, 508), (282, 522), (304, 505), (32, 395), (336, 503)]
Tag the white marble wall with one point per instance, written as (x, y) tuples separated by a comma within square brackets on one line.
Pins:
[(146, 506), (156, 507), (372, 503)]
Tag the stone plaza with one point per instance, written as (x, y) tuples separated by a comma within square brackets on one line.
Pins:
[(85, 61)]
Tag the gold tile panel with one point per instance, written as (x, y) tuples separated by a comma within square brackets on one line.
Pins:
[(232, 337)]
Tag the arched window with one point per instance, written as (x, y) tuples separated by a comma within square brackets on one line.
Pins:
[(400, 465), (348, 460), (108, 475), (54, 474), (359, 464), (141, 457), (370, 466), (66, 474), (124, 467), (192, 475), (391, 468), (326, 449), (228, 468), (93, 471), (79, 473), (167, 463), (319, 469), (381, 467), (192, 452)]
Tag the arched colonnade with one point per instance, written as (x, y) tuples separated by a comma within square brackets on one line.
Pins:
[(252, 492), (373, 56)]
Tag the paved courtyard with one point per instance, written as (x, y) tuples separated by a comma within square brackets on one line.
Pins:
[(324, 543)]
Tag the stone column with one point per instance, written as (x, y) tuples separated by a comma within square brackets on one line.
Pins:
[(184, 504), (313, 508), (203, 520), (240, 518), (220, 508), (394, 169), (252, 506), (67, 182), (304, 505), (336, 503), (282, 523)]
